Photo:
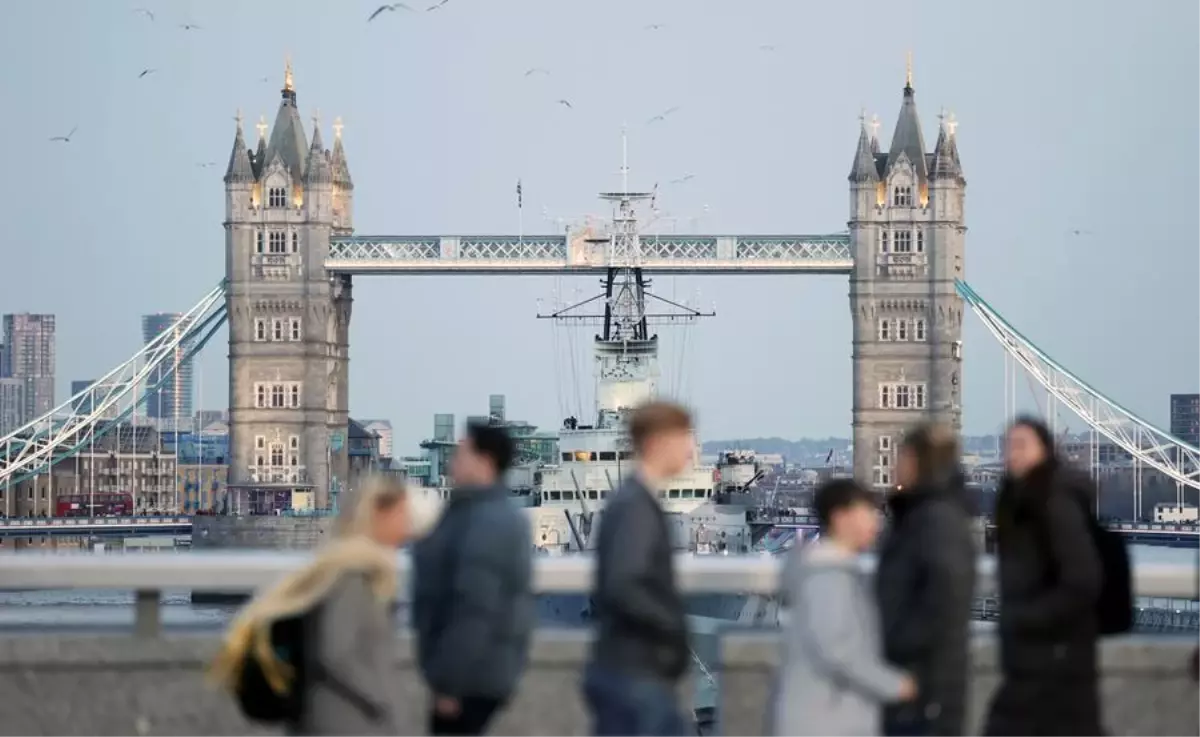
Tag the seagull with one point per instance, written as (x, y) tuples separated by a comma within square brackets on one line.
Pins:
[(189, 26), (144, 12), (566, 103), (384, 8), (146, 71), (536, 70), (207, 164), (662, 116), (66, 138), (264, 80), (655, 26), (766, 47), (437, 5), (1080, 232), (682, 179)]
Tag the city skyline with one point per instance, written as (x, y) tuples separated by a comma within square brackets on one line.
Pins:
[(1038, 245)]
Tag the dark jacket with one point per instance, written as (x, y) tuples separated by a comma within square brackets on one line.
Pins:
[(641, 626), (925, 584), (473, 606), (1050, 576)]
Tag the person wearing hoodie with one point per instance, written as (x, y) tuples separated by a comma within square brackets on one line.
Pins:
[(833, 679), (925, 583), (1050, 576)]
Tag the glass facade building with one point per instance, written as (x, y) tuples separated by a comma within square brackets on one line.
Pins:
[(173, 399)]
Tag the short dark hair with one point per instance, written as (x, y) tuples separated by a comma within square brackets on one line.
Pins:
[(493, 442), (935, 448), (655, 418), (838, 494)]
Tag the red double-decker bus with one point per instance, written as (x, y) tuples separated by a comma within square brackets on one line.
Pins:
[(108, 504)]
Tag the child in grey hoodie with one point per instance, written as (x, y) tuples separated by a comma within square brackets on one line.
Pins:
[(833, 679)]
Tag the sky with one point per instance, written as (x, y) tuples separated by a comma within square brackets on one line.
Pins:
[(1073, 115)]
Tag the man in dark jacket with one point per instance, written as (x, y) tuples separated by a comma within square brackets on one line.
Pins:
[(925, 583), (641, 648), (472, 599)]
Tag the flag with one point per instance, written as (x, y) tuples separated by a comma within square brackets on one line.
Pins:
[(518, 194)]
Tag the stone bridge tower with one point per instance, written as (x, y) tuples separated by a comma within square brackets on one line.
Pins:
[(906, 233), (288, 319)]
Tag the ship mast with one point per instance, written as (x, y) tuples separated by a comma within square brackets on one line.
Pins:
[(626, 352)]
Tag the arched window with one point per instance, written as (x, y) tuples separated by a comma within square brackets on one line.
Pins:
[(277, 197), (902, 196), (295, 241)]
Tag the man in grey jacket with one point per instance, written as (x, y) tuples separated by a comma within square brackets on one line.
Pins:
[(472, 599), (641, 647)]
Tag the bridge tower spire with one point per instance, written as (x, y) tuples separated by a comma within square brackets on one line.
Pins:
[(906, 236), (288, 321)]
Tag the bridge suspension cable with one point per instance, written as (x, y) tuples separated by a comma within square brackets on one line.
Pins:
[(1155, 447), (34, 447)]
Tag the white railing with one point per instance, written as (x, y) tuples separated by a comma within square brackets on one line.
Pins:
[(243, 572)]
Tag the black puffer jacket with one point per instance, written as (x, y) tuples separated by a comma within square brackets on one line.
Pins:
[(1050, 577), (925, 585)]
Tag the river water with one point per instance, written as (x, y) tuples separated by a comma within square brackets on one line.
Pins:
[(91, 609)]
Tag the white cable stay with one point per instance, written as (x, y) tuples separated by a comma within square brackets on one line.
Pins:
[(61, 430), (1155, 447)]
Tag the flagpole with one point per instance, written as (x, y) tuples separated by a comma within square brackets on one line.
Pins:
[(520, 215)]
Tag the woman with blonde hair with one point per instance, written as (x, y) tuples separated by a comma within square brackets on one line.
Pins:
[(314, 652)]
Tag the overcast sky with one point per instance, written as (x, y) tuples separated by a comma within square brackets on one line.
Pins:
[(1072, 115)]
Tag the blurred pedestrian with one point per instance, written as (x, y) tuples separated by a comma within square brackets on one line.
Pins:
[(925, 583), (641, 649), (473, 606), (833, 678), (314, 654), (1050, 579)]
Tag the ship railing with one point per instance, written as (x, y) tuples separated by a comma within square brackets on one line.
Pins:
[(150, 575)]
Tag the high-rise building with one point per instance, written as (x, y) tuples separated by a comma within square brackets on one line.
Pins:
[(87, 404), (12, 404), (29, 356), (1185, 417), (173, 400), (382, 428)]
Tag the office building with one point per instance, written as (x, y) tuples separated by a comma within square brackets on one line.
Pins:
[(29, 356), (1185, 417), (171, 403), (12, 405), (382, 428), (87, 404)]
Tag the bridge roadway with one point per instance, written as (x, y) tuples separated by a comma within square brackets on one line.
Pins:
[(151, 681)]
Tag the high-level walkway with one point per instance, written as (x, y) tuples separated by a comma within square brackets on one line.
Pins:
[(150, 680)]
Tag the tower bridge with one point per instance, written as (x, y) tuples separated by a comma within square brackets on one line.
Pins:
[(292, 256)]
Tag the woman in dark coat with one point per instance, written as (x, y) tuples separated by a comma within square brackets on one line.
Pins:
[(1050, 577), (925, 583)]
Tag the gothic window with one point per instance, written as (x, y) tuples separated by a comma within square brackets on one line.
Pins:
[(885, 396), (882, 477), (260, 442), (919, 396), (294, 442), (277, 197), (885, 332), (902, 330), (903, 241), (885, 443), (920, 241), (277, 329), (258, 241), (295, 395), (260, 329), (276, 454), (295, 241), (277, 395), (294, 329), (919, 329), (885, 460), (260, 395), (293, 460), (902, 396), (902, 196), (260, 461), (884, 245), (277, 242)]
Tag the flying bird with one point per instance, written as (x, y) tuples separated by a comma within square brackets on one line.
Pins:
[(189, 26), (146, 71), (207, 164), (144, 12), (662, 116), (387, 8), (1080, 232), (655, 26), (536, 70), (682, 179), (766, 47), (567, 104), (66, 138), (437, 5)]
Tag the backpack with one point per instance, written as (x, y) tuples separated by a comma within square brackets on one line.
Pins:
[(255, 697)]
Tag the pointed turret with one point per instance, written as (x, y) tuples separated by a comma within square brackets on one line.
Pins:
[(907, 137), (287, 135), (341, 168), (317, 169), (946, 164), (239, 169), (863, 169), (259, 158)]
